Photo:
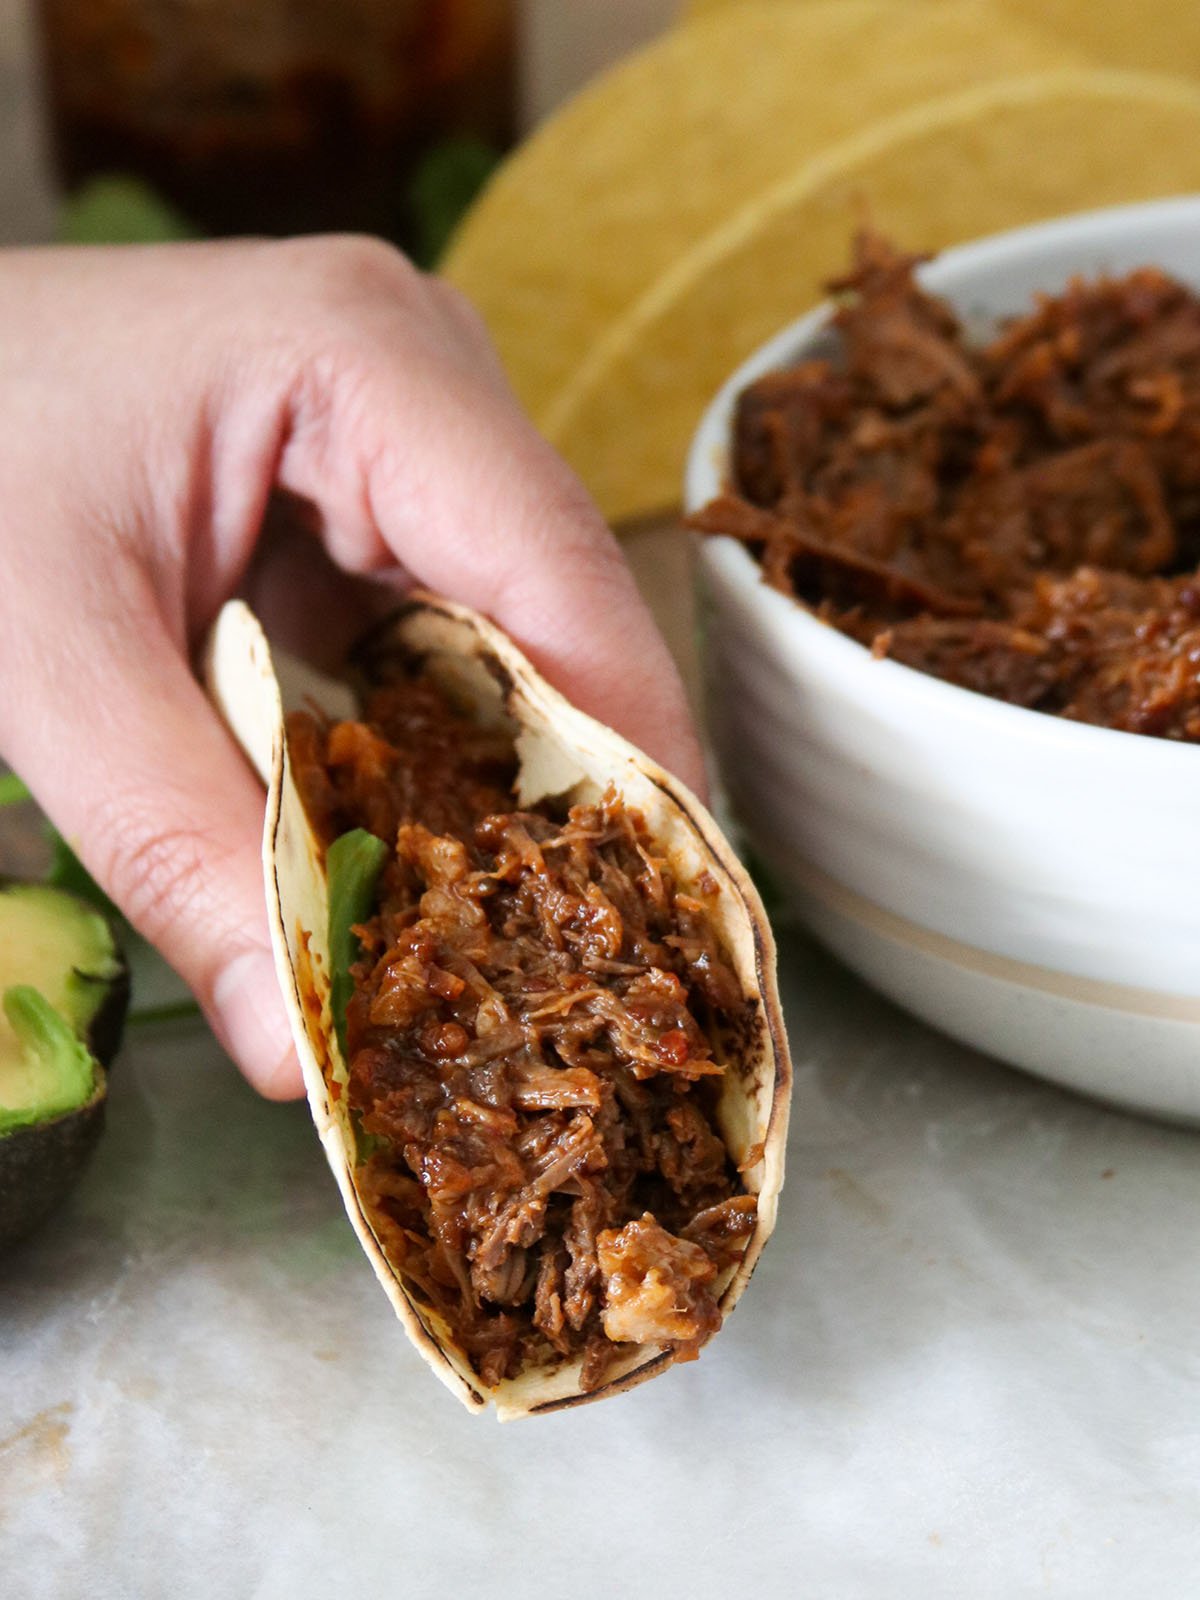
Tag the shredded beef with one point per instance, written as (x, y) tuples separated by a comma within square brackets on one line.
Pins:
[(534, 1047), (657, 1287), (1020, 517)]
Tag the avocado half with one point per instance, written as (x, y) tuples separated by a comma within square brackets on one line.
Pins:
[(64, 992)]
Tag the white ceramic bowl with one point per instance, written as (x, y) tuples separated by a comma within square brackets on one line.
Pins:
[(1028, 884)]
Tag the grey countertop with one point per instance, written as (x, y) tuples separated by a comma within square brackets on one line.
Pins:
[(967, 1365)]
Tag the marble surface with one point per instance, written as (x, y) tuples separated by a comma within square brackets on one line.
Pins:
[(967, 1365)]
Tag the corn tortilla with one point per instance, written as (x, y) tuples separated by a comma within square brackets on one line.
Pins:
[(994, 157), (1146, 35), (640, 169)]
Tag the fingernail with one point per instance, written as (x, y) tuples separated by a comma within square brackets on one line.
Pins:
[(253, 1024)]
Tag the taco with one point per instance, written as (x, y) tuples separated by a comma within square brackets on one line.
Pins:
[(533, 994)]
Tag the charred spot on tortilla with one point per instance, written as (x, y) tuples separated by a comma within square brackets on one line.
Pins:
[(378, 655)]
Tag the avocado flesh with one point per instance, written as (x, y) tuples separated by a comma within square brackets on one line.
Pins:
[(45, 1067), (59, 965)]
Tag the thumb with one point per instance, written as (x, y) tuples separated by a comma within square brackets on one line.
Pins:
[(124, 753)]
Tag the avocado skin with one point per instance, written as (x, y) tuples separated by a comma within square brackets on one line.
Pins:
[(108, 1025), (40, 1165)]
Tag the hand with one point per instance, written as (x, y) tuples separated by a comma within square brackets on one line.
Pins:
[(171, 418)]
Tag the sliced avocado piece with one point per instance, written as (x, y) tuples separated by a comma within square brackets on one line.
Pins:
[(64, 991), (45, 1067), (354, 862)]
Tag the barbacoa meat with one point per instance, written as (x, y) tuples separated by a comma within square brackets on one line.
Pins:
[(534, 1048), (1020, 517)]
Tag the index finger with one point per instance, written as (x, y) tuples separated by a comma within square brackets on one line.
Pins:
[(431, 462)]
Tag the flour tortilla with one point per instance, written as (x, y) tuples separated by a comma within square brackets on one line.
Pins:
[(561, 752)]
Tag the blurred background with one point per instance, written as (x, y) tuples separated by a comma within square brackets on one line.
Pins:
[(634, 193), (269, 116), (627, 246)]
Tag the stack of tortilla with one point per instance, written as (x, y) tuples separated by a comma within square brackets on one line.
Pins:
[(698, 197)]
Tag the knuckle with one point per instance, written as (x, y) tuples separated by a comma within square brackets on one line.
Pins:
[(566, 534), (570, 525), (456, 305), (356, 302), (345, 268), (470, 334), (159, 874)]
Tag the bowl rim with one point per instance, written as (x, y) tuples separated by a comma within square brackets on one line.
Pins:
[(843, 657)]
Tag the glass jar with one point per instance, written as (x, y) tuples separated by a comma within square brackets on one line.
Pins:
[(280, 116)]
